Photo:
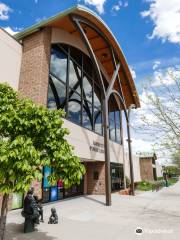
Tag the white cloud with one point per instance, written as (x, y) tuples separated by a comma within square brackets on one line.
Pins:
[(119, 5), (156, 65), (140, 145), (165, 15), (166, 76), (98, 4), (4, 11), (11, 31), (133, 72)]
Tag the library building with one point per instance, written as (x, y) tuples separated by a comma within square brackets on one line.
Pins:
[(73, 61)]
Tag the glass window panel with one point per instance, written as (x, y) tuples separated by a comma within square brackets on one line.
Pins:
[(87, 65), (76, 54), (98, 121), (87, 115), (78, 90), (112, 131), (61, 89), (73, 78), (64, 46), (87, 87), (51, 103), (97, 97), (117, 116), (74, 111), (111, 116), (118, 137), (75, 96), (58, 64)]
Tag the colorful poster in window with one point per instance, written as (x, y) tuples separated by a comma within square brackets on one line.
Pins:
[(17, 201), (54, 194), (60, 184), (47, 172)]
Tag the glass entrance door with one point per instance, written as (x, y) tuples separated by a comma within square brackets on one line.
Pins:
[(117, 177)]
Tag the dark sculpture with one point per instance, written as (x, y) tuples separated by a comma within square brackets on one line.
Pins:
[(30, 212), (40, 208), (54, 217)]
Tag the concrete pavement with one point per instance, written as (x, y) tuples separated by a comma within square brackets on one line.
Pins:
[(87, 218)]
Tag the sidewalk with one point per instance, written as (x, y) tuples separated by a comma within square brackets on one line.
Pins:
[(87, 218)]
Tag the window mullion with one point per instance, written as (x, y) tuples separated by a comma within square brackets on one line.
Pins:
[(115, 126), (67, 84), (93, 124), (81, 84)]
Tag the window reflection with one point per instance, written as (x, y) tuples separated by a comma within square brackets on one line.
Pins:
[(60, 88), (58, 64), (98, 120), (51, 104), (97, 97), (112, 130), (74, 111), (87, 89), (118, 136), (74, 75), (87, 115), (82, 101)]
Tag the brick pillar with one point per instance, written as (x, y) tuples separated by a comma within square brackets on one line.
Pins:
[(96, 185), (85, 180), (34, 75)]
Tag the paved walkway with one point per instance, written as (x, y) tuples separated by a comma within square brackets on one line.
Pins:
[(87, 218)]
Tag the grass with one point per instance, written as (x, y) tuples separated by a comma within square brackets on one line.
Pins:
[(172, 181), (148, 186), (144, 186)]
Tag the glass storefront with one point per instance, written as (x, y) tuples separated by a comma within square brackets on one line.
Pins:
[(51, 193), (117, 177)]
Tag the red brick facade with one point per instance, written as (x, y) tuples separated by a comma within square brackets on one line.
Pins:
[(34, 75), (146, 169), (95, 184)]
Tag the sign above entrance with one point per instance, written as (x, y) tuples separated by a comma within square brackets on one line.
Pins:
[(97, 147)]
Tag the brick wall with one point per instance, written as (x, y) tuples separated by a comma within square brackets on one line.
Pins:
[(146, 169), (95, 186), (34, 75)]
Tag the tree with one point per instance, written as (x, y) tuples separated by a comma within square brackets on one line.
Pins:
[(172, 170), (160, 114), (31, 137)]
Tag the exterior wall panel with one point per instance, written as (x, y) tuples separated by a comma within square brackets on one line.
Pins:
[(136, 167), (85, 143), (10, 59)]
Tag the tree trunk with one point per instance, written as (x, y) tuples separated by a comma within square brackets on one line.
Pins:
[(4, 210)]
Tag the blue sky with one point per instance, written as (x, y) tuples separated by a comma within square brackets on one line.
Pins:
[(123, 17), (148, 30)]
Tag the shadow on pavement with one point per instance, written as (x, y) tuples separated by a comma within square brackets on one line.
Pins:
[(94, 200), (14, 231)]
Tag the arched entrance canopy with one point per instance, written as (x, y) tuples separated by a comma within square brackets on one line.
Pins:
[(104, 45)]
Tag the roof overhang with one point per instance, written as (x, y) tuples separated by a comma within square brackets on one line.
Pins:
[(99, 46)]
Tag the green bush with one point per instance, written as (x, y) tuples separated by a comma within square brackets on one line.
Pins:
[(144, 186)]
